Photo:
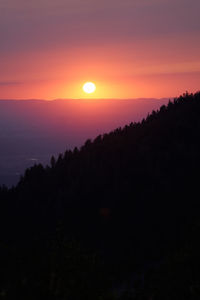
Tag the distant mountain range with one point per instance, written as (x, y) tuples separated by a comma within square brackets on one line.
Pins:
[(32, 130)]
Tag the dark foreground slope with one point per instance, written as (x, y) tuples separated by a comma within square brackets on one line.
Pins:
[(130, 197)]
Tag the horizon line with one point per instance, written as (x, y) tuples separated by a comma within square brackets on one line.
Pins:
[(56, 99)]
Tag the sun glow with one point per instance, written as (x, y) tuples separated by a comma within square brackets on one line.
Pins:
[(89, 87)]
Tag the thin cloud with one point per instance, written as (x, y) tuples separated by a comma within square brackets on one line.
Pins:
[(6, 83)]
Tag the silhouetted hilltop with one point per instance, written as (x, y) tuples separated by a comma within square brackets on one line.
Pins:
[(155, 159), (129, 195)]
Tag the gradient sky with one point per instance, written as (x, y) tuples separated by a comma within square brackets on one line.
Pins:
[(129, 48)]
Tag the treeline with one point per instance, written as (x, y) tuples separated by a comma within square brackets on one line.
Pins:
[(129, 195)]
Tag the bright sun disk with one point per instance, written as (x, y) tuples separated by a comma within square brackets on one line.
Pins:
[(89, 87)]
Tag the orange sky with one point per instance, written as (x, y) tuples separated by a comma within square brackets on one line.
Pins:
[(129, 50)]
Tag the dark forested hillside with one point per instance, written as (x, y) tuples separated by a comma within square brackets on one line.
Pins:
[(129, 197)]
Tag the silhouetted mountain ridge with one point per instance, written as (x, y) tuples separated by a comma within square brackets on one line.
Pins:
[(131, 194), (145, 160)]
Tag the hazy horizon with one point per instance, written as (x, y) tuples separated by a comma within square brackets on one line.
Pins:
[(85, 99), (31, 131)]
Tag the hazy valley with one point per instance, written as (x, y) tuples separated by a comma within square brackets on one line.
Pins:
[(31, 131)]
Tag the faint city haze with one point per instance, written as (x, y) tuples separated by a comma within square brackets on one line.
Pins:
[(31, 131)]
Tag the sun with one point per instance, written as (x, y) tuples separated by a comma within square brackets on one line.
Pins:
[(89, 87)]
